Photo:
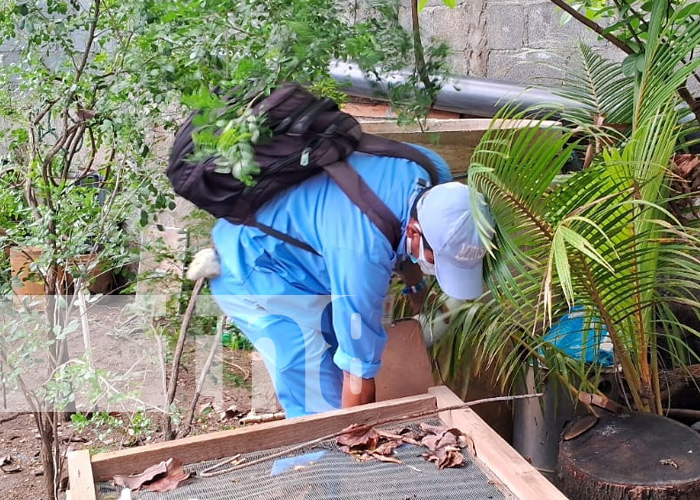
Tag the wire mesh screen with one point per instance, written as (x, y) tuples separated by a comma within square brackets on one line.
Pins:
[(324, 472)]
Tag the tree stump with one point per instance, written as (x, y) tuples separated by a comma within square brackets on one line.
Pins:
[(632, 457)]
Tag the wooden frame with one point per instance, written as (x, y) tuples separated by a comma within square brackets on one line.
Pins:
[(511, 473), (453, 139)]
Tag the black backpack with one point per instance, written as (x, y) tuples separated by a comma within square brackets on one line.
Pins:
[(310, 135)]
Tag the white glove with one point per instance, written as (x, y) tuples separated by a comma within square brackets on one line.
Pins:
[(434, 330), (205, 264)]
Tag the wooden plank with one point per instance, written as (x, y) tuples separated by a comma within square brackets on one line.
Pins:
[(80, 479), (384, 112), (454, 140), (404, 341), (259, 437), (516, 474)]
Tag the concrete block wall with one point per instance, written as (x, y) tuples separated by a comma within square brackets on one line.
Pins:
[(521, 41)]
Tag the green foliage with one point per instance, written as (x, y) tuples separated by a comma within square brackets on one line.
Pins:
[(78, 122), (127, 429), (234, 339), (423, 3), (261, 44), (601, 238), (601, 87), (631, 21)]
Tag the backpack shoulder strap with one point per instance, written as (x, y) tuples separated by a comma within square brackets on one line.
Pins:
[(381, 146), (366, 199), (284, 237)]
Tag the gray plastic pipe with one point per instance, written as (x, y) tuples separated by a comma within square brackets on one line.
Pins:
[(460, 94)]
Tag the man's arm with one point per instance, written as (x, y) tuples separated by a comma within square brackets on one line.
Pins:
[(359, 281), (357, 390)]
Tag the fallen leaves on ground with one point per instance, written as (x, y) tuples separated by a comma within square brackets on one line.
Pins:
[(8, 466), (444, 444), (230, 412), (175, 475), (685, 182), (161, 477)]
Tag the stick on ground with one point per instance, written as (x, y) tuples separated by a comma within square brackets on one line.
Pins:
[(175, 370)]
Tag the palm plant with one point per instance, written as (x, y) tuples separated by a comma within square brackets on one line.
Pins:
[(600, 239)]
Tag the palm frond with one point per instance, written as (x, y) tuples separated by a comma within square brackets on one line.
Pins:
[(600, 86)]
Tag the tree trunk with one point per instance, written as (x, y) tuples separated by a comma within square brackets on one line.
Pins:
[(47, 455), (632, 457)]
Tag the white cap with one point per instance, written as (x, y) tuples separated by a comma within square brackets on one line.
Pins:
[(445, 217)]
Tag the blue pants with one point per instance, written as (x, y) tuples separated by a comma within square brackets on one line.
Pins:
[(294, 336)]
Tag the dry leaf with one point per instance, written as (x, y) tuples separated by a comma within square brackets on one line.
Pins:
[(366, 444), (579, 426), (449, 456), (230, 412), (411, 437), (386, 458), (387, 448), (174, 476), (446, 437), (387, 434), (444, 446), (433, 429), (134, 481), (685, 164), (359, 436)]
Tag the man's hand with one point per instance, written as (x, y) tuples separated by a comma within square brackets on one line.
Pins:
[(411, 274), (416, 300), (357, 390)]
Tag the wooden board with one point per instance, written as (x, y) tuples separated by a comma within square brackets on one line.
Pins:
[(454, 139), (82, 484), (396, 377), (259, 437), (497, 456), (375, 111)]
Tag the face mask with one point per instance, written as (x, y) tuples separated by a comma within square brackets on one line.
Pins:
[(422, 262)]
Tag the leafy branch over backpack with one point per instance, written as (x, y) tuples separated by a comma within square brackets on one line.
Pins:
[(227, 134), (266, 43)]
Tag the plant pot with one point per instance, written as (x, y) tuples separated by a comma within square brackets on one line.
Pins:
[(639, 456), (29, 283), (101, 280), (538, 423)]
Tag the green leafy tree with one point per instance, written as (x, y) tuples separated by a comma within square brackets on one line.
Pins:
[(88, 103)]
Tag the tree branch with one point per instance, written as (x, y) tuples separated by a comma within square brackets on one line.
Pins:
[(635, 14), (418, 48), (593, 25), (692, 103)]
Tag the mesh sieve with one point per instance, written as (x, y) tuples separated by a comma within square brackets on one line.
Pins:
[(334, 476)]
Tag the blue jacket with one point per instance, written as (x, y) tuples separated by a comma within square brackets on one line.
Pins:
[(356, 260)]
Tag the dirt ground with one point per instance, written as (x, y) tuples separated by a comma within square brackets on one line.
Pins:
[(229, 389)]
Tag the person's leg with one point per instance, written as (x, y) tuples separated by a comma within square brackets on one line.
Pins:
[(295, 349)]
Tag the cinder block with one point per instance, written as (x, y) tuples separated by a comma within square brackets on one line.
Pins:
[(505, 26), (525, 66), (545, 29)]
